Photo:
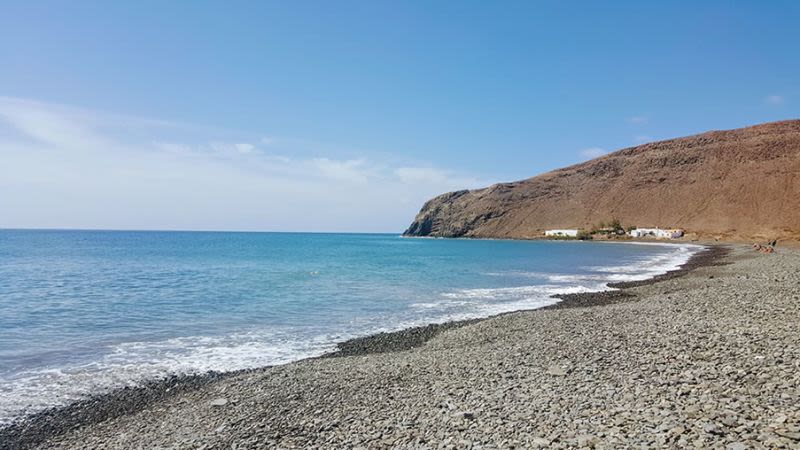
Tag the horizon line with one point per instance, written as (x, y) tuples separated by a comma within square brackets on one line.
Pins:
[(154, 230)]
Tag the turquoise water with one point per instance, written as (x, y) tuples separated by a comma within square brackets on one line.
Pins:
[(84, 311)]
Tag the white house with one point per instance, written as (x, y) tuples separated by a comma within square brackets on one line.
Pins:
[(657, 233), (561, 233)]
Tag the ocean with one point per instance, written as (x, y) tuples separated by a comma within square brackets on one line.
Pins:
[(82, 312)]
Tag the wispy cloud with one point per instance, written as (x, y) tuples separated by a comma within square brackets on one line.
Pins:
[(638, 120), (244, 147), (69, 167), (774, 99), (593, 152), (642, 138), (434, 176), (54, 125), (349, 171)]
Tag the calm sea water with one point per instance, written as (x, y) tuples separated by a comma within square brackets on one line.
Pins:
[(85, 311)]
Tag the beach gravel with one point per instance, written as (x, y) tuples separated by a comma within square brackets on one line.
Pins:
[(710, 359)]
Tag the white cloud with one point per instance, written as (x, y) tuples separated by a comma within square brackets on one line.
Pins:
[(74, 168), (593, 152), (353, 171), (230, 149), (427, 176), (245, 148), (56, 125), (174, 148), (774, 100), (642, 138), (638, 120), (414, 175)]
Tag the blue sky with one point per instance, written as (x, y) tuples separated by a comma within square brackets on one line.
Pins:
[(346, 116)]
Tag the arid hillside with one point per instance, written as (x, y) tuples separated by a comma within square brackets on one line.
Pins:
[(736, 184)]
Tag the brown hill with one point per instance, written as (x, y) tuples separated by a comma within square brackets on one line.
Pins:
[(736, 184)]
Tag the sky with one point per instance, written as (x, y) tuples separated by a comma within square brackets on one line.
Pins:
[(347, 116)]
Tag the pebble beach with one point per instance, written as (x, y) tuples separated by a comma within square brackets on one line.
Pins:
[(705, 357)]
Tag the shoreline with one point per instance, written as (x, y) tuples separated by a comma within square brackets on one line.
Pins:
[(413, 337), (37, 428)]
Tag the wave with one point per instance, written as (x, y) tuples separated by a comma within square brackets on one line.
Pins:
[(131, 363), (489, 301), (638, 270), (650, 267)]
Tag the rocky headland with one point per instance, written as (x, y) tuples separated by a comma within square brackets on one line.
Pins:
[(741, 184)]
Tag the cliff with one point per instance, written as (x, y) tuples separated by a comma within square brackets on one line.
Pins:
[(735, 184)]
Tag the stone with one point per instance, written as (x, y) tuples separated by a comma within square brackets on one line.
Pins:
[(540, 442), (587, 440), (218, 402), (788, 434), (779, 419)]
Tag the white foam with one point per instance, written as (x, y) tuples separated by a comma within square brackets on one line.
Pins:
[(481, 302), (484, 302), (131, 363), (520, 291), (650, 267)]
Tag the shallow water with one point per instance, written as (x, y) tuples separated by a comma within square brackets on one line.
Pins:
[(84, 311)]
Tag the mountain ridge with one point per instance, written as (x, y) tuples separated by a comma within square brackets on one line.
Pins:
[(734, 184)]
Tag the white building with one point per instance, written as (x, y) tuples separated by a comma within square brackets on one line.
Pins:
[(657, 233), (561, 233)]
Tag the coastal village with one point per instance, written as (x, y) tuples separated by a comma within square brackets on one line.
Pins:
[(615, 230)]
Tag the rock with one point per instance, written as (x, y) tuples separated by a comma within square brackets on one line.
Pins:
[(794, 435), (736, 446), (541, 442), (587, 440), (218, 402), (677, 431), (729, 421), (557, 371), (779, 419)]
